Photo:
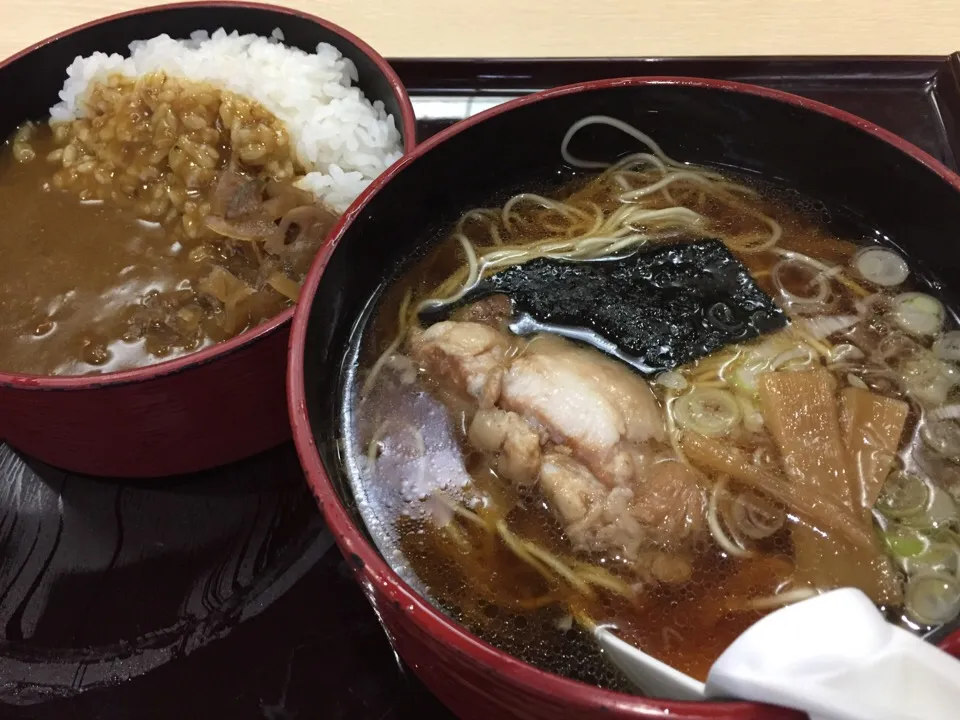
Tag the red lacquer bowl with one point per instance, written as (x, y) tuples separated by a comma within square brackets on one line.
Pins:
[(823, 152), (215, 406)]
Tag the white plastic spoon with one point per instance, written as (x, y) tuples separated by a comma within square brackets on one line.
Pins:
[(652, 677), (833, 656)]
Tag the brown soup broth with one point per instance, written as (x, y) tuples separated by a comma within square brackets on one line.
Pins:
[(470, 574)]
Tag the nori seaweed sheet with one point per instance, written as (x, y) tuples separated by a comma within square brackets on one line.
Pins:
[(658, 309)]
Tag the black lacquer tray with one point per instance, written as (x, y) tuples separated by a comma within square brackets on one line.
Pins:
[(220, 595)]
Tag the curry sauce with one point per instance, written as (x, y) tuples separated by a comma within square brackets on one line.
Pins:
[(162, 222)]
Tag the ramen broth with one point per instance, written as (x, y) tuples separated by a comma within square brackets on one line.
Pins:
[(497, 555)]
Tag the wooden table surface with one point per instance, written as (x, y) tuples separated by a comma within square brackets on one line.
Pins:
[(553, 28)]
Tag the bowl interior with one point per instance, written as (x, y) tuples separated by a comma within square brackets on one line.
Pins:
[(869, 183), (32, 80)]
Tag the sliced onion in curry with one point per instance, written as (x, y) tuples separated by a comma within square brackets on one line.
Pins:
[(284, 285), (244, 230)]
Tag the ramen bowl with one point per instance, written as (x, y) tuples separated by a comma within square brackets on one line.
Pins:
[(821, 152), (225, 401)]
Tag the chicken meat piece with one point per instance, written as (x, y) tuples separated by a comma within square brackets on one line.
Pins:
[(512, 440), (598, 408), (464, 355), (594, 516), (664, 508), (669, 502), (584, 427)]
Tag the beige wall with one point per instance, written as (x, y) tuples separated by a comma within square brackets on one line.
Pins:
[(587, 27)]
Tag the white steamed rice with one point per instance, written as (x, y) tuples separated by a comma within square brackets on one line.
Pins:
[(339, 136)]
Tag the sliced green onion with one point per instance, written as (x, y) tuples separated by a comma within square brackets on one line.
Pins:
[(945, 412), (903, 495), (918, 313), (943, 436), (933, 598), (947, 535), (881, 266), (941, 511), (904, 543), (929, 379), (948, 346), (709, 411), (922, 370), (937, 557)]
